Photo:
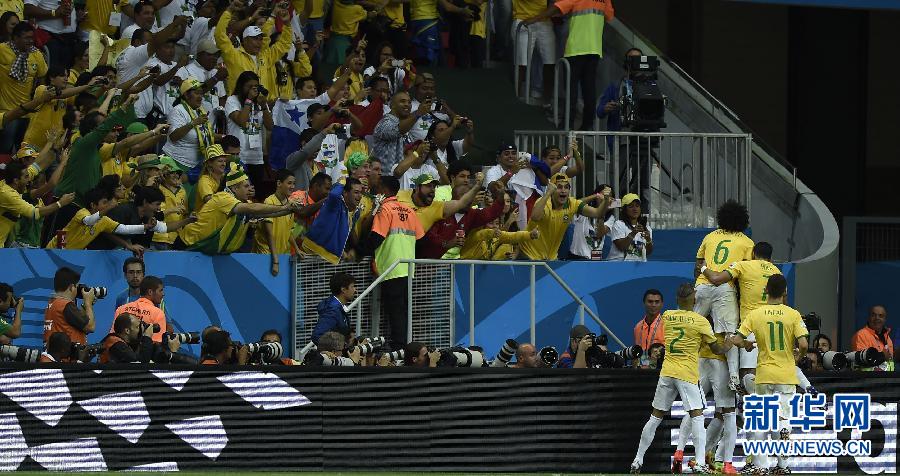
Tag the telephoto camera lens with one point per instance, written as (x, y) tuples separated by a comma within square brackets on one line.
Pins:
[(631, 353), (832, 360), (184, 337), (459, 357), (870, 357), (100, 292), (396, 356), (506, 353), (19, 354), (268, 352), (549, 356)]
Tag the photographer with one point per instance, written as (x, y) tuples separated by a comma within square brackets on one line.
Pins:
[(416, 354), (272, 335), (576, 336), (610, 102), (146, 308), (526, 357), (8, 301), (219, 349), (131, 342), (876, 334), (63, 315), (331, 349), (59, 348)]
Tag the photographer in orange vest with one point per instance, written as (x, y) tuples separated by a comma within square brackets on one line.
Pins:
[(132, 342), (62, 314), (146, 308)]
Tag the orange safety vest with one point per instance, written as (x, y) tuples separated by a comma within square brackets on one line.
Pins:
[(146, 311), (646, 335), (108, 342), (55, 321)]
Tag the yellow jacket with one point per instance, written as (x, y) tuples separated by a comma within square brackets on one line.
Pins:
[(237, 60), (485, 245), (299, 68)]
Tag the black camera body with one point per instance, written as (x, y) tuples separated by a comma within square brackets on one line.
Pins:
[(262, 90), (90, 350)]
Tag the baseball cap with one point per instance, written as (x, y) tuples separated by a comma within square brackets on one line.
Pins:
[(188, 84), (252, 30), (151, 164), (207, 45), (136, 128), (505, 146), (631, 197), (579, 331), (27, 150), (559, 178), (424, 179), (170, 163), (314, 108)]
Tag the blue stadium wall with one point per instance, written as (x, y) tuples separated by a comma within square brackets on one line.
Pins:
[(237, 293)]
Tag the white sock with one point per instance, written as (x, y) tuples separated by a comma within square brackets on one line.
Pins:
[(684, 431), (647, 435), (759, 460), (733, 357), (699, 438), (804, 382), (713, 431), (750, 382), (729, 436)]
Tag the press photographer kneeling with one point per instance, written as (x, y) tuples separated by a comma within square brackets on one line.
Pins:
[(132, 342)]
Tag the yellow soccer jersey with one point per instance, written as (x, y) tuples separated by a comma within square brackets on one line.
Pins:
[(706, 351), (776, 327), (720, 248), (752, 277), (685, 332), (429, 215)]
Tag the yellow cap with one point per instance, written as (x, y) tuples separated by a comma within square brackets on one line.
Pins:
[(559, 178), (631, 197), (215, 151)]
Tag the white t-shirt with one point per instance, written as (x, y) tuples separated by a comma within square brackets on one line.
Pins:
[(406, 181), (457, 147), (211, 98), (160, 96), (395, 78), (198, 30), (167, 14), (638, 249), (187, 150), (54, 25), (130, 62), (250, 135), (584, 232), (423, 123)]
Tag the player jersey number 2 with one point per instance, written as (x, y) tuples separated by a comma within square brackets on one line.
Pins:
[(721, 254), (672, 349), (773, 337)]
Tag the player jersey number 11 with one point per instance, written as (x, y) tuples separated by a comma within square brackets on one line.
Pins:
[(772, 325)]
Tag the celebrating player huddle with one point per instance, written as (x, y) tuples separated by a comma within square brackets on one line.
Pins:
[(711, 343)]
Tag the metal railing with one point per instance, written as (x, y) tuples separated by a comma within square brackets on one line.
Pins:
[(488, 26), (528, 55), (556, 85), (453, 264), (682, 177)]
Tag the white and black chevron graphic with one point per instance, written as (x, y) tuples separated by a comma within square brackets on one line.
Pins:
[(150, 418)]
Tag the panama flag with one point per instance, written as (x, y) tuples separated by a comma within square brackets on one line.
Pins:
[(289, 118)]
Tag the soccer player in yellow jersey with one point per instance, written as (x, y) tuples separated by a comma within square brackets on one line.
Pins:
[(686, 331), (776, 327), (713, 378), (719, 249)]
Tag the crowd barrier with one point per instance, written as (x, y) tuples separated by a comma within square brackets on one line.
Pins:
[(685, 176), (305, 419)]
